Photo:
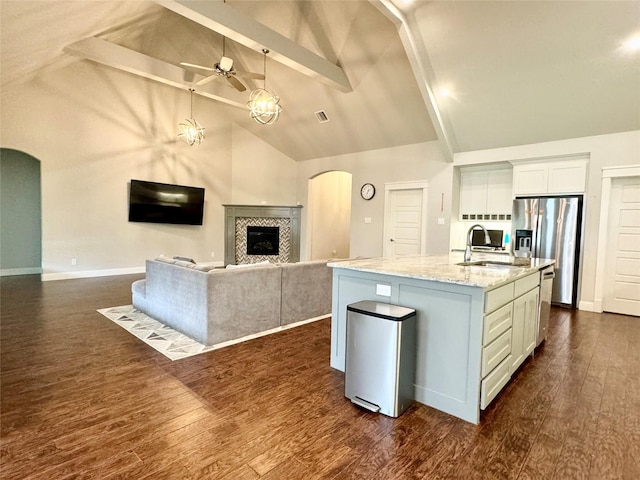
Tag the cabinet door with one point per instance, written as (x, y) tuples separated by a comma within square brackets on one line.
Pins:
[(530, 179), (473, 193), (525, 321), (499, 192), (517, 333), (567, 177), (531, 320)]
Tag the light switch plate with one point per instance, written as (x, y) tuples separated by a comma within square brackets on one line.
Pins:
[(367, 219)]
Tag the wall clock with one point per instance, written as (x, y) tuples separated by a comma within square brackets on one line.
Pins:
[(367, 191)]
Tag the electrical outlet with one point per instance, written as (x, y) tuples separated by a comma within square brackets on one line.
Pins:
[(74, 262), (383, 290), (367, 219), (440, 221)]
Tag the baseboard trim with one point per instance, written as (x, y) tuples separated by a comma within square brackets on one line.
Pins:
[(588, 307), (9, 272), (46, 277)]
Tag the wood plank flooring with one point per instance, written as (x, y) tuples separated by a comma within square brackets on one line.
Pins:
[(82, 398)]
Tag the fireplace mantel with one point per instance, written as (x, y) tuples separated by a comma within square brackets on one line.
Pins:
[(243, 214)]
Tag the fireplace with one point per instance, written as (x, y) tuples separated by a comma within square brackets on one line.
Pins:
[(276, 225), (263, 240)]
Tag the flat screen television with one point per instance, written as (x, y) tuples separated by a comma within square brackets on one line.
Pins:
[(165, 203)]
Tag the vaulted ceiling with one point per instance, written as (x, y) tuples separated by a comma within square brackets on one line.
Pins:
[(516, 72)]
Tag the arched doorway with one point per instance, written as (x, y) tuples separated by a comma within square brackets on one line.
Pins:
[(329, 217), (20, 214)]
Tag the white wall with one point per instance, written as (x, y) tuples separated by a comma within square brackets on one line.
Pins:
[(260, 174), (603, 151), (421, 161)]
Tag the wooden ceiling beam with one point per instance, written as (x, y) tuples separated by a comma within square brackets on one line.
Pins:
[(221, 18)]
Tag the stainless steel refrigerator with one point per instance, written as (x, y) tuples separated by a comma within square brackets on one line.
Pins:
[(551, 227)]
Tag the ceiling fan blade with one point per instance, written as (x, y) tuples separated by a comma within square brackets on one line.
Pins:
[(257, 76), (193, 65), (207, 79), (237, 84)]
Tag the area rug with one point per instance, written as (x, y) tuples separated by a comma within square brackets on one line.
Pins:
[(169, 342)]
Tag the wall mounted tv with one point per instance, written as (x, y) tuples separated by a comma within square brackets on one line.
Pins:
[(165, 203)]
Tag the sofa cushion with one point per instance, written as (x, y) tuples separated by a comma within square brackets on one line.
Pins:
[(245, 265), (139, 287)]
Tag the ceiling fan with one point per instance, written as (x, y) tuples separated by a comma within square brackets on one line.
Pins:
[(224, 68)]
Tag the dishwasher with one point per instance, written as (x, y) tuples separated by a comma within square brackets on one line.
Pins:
[(547, 275)]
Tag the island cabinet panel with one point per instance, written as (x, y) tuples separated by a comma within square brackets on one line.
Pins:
[(448, 347), (348, 289)]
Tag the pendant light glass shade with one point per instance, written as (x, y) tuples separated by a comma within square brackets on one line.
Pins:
[(263, 105), (190, 131)]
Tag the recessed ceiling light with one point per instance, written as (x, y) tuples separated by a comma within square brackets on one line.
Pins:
[(444, 92), (633, 43)]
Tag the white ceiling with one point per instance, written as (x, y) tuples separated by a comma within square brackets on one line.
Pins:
[(519, 72)]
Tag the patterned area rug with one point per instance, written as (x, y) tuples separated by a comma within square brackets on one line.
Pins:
[(166, 340)]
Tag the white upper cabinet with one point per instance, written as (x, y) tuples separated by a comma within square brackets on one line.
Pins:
[(485, 194), (550, 178)]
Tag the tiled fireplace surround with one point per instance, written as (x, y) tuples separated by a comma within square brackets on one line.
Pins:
[(239, 217)]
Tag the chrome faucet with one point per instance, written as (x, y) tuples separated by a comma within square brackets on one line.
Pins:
[(467, 250)]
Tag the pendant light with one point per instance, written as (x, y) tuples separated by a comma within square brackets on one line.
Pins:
[(263, 105), (190, 131)]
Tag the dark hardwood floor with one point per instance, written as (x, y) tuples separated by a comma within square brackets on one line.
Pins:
[(82, 398)]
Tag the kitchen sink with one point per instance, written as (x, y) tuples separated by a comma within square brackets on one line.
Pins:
[(494, 263)]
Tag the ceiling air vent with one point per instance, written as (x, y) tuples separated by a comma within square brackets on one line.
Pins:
[(321, 116)]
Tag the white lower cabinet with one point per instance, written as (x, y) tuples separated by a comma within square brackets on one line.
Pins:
[(495, 352), (493, 383), (509, 333), (525, 317)]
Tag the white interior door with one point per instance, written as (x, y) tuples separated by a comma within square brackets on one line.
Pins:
[(403, 222), (622, 282)]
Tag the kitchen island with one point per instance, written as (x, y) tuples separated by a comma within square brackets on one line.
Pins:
[(476, 323)]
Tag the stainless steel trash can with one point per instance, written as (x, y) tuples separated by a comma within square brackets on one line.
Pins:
[(380, 356)]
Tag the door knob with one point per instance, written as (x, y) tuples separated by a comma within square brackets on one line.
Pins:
[(391, 239)]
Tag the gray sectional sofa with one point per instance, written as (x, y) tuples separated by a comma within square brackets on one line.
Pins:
[(214, 305)]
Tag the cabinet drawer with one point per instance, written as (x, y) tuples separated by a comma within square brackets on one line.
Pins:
[(495, 352), (496, 323), (498, 297), (494, 382), (525, 284)]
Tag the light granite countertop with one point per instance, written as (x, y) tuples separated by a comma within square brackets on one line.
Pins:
[(443, 268)]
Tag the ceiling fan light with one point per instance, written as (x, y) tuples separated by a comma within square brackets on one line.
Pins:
[(226, 64), (264, 106)]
